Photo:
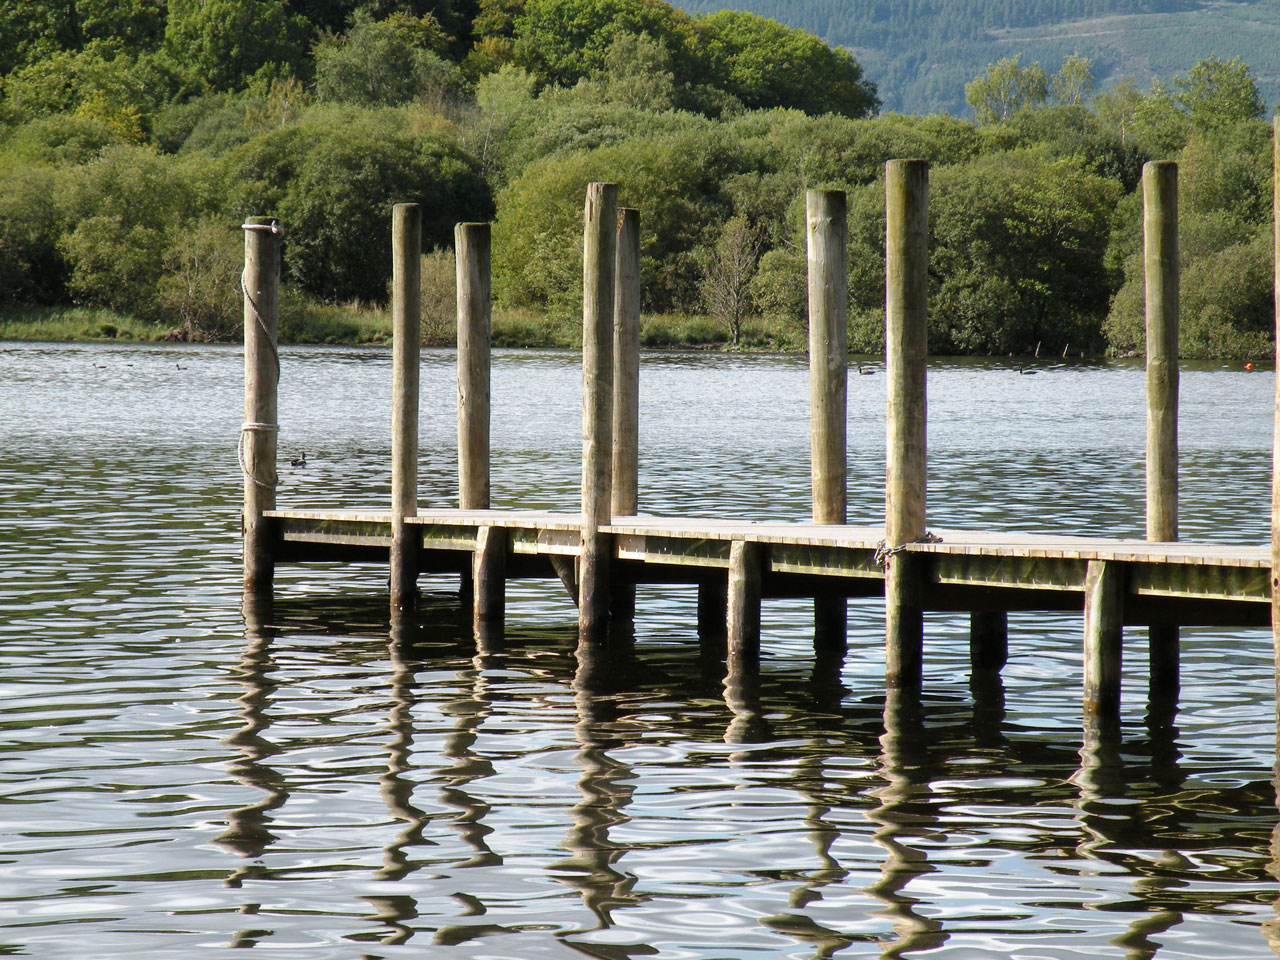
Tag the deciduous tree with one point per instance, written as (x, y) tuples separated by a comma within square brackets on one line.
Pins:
[(1005, 88)]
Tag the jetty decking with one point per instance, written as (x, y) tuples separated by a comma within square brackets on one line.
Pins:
[(601, 552), (1179, 583)]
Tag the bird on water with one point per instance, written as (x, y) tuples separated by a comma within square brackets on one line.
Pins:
[(301, 461)]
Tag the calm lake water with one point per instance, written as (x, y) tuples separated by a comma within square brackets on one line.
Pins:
[(315, 785)]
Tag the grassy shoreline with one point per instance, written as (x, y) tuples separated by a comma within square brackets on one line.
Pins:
[(358, 324)]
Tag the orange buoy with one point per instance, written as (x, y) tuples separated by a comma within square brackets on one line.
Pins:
[(1248, 366)]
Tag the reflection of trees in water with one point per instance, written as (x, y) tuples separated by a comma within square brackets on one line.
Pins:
[(1134, 811)]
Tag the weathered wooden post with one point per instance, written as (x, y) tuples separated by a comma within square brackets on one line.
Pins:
[(471, 249), (626, 387), (598, 255), (261, 284), (1160, 254), (489, 582), (1103, 630), (1275, 456), (826, 220), (746, 571), (406, 334), (906, 311)]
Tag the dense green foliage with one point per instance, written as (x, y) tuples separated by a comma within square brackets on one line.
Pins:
[(134, 139), (920, 53)]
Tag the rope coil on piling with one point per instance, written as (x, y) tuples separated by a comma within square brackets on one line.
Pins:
[(274, 229), (250, 427), (884, 551), (271, 341)]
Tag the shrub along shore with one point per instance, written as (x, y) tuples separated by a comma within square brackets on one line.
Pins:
[(357, 325), (134, 139)]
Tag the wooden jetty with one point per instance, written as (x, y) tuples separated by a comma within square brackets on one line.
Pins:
[(602, 552)]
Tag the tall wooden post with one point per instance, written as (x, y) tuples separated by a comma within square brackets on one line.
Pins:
[(598, 255), (626, 387), (1160, 254), (906, 311), (406, 333), (826, 220), (1275, 456), (471, 249), (262, 236)]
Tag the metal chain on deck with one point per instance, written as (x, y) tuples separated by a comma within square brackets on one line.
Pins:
[(884, 551)]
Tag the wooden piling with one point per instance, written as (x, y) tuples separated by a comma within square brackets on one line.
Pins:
[(906, 311), (1103, 634), (988, 640), (261, 287), (828, 353), (746, 572), (713, 613), (626, 387), (471, 250), (598, 265), (1275, 456), (489, 582), (826, 220), (406, 339), (1161, 262)]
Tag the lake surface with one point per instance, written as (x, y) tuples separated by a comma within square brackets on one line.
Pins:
[(314, 784)]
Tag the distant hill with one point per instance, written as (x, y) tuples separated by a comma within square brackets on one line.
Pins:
[(920, 53)]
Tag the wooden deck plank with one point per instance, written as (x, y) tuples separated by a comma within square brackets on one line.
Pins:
[(809, 547)]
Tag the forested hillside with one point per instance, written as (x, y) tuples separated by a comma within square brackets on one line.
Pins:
[(135, 136), (921, 52)]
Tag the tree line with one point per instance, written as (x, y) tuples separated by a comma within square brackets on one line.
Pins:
[(124, 177)]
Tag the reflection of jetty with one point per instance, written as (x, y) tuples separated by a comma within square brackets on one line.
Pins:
[(603, 551)]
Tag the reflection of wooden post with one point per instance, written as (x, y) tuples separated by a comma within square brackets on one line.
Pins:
[(406, 332), (599, 246), (1160, 234), (1103, 634), (471, 246), (906, 309), (261, 376), (626, 387), (828, 383)]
